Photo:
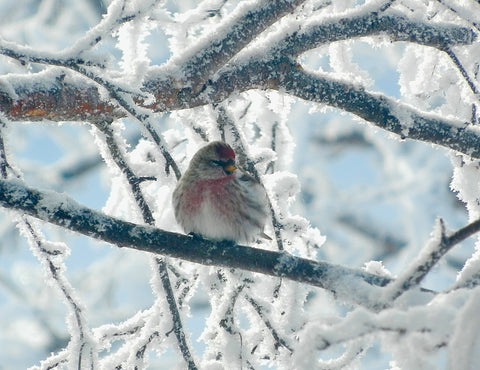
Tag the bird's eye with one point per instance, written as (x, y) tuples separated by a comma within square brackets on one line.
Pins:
[(217, 163)]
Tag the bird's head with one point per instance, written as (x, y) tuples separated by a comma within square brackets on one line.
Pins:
[(213, 161)]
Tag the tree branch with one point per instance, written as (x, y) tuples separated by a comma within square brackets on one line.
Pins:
[(384, 112), (65, 98), (394, 25), (147, 215), (348, 284), (463, 71), (58, 97), (431, 255), (250, 20), (59, 100)]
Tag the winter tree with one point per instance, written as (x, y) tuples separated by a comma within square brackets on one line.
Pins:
[(361, 120)]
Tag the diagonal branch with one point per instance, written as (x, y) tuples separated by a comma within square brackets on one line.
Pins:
[(384, 112), (431, 255), (463, 71), (147, 216), (205, 58), (348, 284)]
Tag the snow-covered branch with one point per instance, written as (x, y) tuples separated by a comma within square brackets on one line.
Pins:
[(393, 25), (65, 98), (205, 58), (384, 112), (61, 210), (440, 243)]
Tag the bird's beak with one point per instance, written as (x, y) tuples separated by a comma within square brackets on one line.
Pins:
[(230, 168)]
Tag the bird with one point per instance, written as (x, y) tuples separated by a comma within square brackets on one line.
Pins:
[(215, 200)]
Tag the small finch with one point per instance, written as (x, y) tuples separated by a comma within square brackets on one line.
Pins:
[(216, 200)]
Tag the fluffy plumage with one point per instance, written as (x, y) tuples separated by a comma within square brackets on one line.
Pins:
[(216, 200)]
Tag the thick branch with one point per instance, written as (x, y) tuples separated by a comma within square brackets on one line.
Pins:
[(70, 101), (56, 98), (62, 101), (169, 95), (348, 284)]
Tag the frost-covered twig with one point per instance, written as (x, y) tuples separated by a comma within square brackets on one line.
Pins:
[(72, 55), (81, 342), (279, 342), (27, 55), (437, 247), (348, 284), (4, 165), (134, 182), (462, 70), (176, 319), (387, 4), (50, 255), (115, 16), (461, 12), (362, 324)]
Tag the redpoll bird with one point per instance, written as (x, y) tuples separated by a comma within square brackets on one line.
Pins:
[(216, 200)]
